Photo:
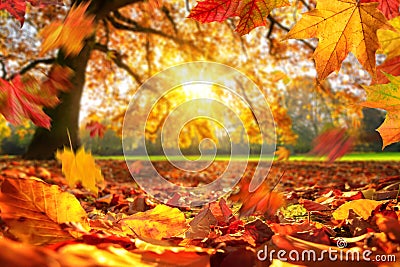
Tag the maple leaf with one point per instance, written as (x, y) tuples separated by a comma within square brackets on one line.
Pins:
[(95, 128), (80, 168), (21, 100), (386, 96), (58, 79), (17, 8), (34, 210), (214, 10), (333, 143), (391, 66), (389, 8), (342, 26), (283, 153), (252, 13), (69, 35), (390, 40)]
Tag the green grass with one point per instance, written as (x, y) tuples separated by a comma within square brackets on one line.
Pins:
[(382, 156)]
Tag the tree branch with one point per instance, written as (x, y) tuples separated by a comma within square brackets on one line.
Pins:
[(33, 64), (117, 59), (277, 23)]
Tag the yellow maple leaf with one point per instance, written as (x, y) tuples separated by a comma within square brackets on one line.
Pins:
[(363, 208), (80, 167), (342, 26), (390, 40), (386, 96), (70, 34), (283, 153)]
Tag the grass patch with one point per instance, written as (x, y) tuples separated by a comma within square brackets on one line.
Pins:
[(380, 156)]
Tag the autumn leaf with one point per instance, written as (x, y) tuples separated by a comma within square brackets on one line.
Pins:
[(80, 168), (160, 222), (386, 96), (95, 128), (34, 210), (333, 143), (391, 66), (69, 35), (23, 99), (58, 79), (390, 40), (214, 10), (363, 207), (252, 13), (389, 8), (283, 153), (17, 8), (342, 27)]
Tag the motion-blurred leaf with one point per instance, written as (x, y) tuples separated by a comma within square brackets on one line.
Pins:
[(80, 168)]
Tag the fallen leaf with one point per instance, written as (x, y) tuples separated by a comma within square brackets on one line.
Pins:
[(69, 35), (160, 222), (362, 207), (352, 28), (80, 168), (390, 226), (386, 96), (34, 210)]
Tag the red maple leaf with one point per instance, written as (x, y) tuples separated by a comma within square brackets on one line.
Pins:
[(389, 8), (17, 8), (333, 143), (20, 100), (391, 66), (214, 10), (95, 128)]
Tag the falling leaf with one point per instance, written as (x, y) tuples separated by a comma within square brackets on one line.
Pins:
[(252, 13), (352, 28), (160, 222), (69, 35), (17, 8), (283, 153), (390, 39), (58, 79), (363, 207), (95, 128), (389, 8), (386, 96), (333, 143), (34, 210), (23, 99), (80, 168)]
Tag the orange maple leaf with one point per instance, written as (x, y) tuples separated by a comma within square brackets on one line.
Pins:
[(342, 26), (386, 96), (69, 35)]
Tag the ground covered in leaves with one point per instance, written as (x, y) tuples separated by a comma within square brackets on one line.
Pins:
[(342, 213)]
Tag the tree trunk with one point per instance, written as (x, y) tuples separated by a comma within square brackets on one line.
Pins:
[(65, 117)]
